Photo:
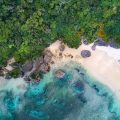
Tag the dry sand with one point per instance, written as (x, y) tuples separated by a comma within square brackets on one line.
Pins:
[(102, 64)]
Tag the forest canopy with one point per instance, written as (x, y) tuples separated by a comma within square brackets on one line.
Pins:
[(28, 26)]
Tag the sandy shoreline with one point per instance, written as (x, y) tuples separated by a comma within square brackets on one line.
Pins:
[(102, 64)]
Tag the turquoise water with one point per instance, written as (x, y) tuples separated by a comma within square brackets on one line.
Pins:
[(77, 96)]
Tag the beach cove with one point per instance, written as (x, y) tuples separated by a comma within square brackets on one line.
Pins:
[(74, 86), (103, 63)]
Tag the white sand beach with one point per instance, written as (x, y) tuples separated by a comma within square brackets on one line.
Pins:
[(103, 63)]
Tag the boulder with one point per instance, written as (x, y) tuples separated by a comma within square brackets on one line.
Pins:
[(62, 47), (48, 53), (113, 44), (47, 59), (118, 61), (100, 42), (84, 41), (60, 74), (85, 53), (1, 72), (47, 56), (44, 68), (27, 67), (37, 63), (93, 47)]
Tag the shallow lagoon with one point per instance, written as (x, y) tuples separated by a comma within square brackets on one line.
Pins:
[(77, 96)]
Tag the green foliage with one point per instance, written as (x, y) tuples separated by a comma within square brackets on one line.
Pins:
[(70, 37), (28, 26), (14, 73)]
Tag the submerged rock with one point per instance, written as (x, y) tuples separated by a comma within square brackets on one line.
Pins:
[(85, 53), (82, 98), (60, 74), (79, 86)]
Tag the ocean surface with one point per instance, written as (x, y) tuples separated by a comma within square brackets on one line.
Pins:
[(76, 96)]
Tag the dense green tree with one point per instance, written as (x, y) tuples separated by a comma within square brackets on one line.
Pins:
[(28, 26)]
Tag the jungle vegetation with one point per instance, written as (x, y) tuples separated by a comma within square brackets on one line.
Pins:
[(28, 26)]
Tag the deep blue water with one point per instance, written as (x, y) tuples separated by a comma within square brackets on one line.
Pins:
[(77, 96)]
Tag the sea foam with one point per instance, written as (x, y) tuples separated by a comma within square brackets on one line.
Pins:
[(76, 96)]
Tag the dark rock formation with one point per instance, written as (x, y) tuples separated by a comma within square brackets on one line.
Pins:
[(79, 85), (1, 72), (84, 41), (62, 47), (48, 53), (85, 53), (44, 68), (47, 59), (37, 63), (77, 69), (100, 42), (47, 56), (27, 67), (119, 61), (60, 74), (82, 98), (93, 47), (36, 66), (113, 44)]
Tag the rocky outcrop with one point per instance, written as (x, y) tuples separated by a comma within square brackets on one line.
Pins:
[(1, 72), (93, 47), (100, 42), (85, 53), (113, 44), (39, 65), (62, 47), (47, 56), (79, 86), (84, 41), (44, 68), (28, 66), (48, 53), (60, 74)]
